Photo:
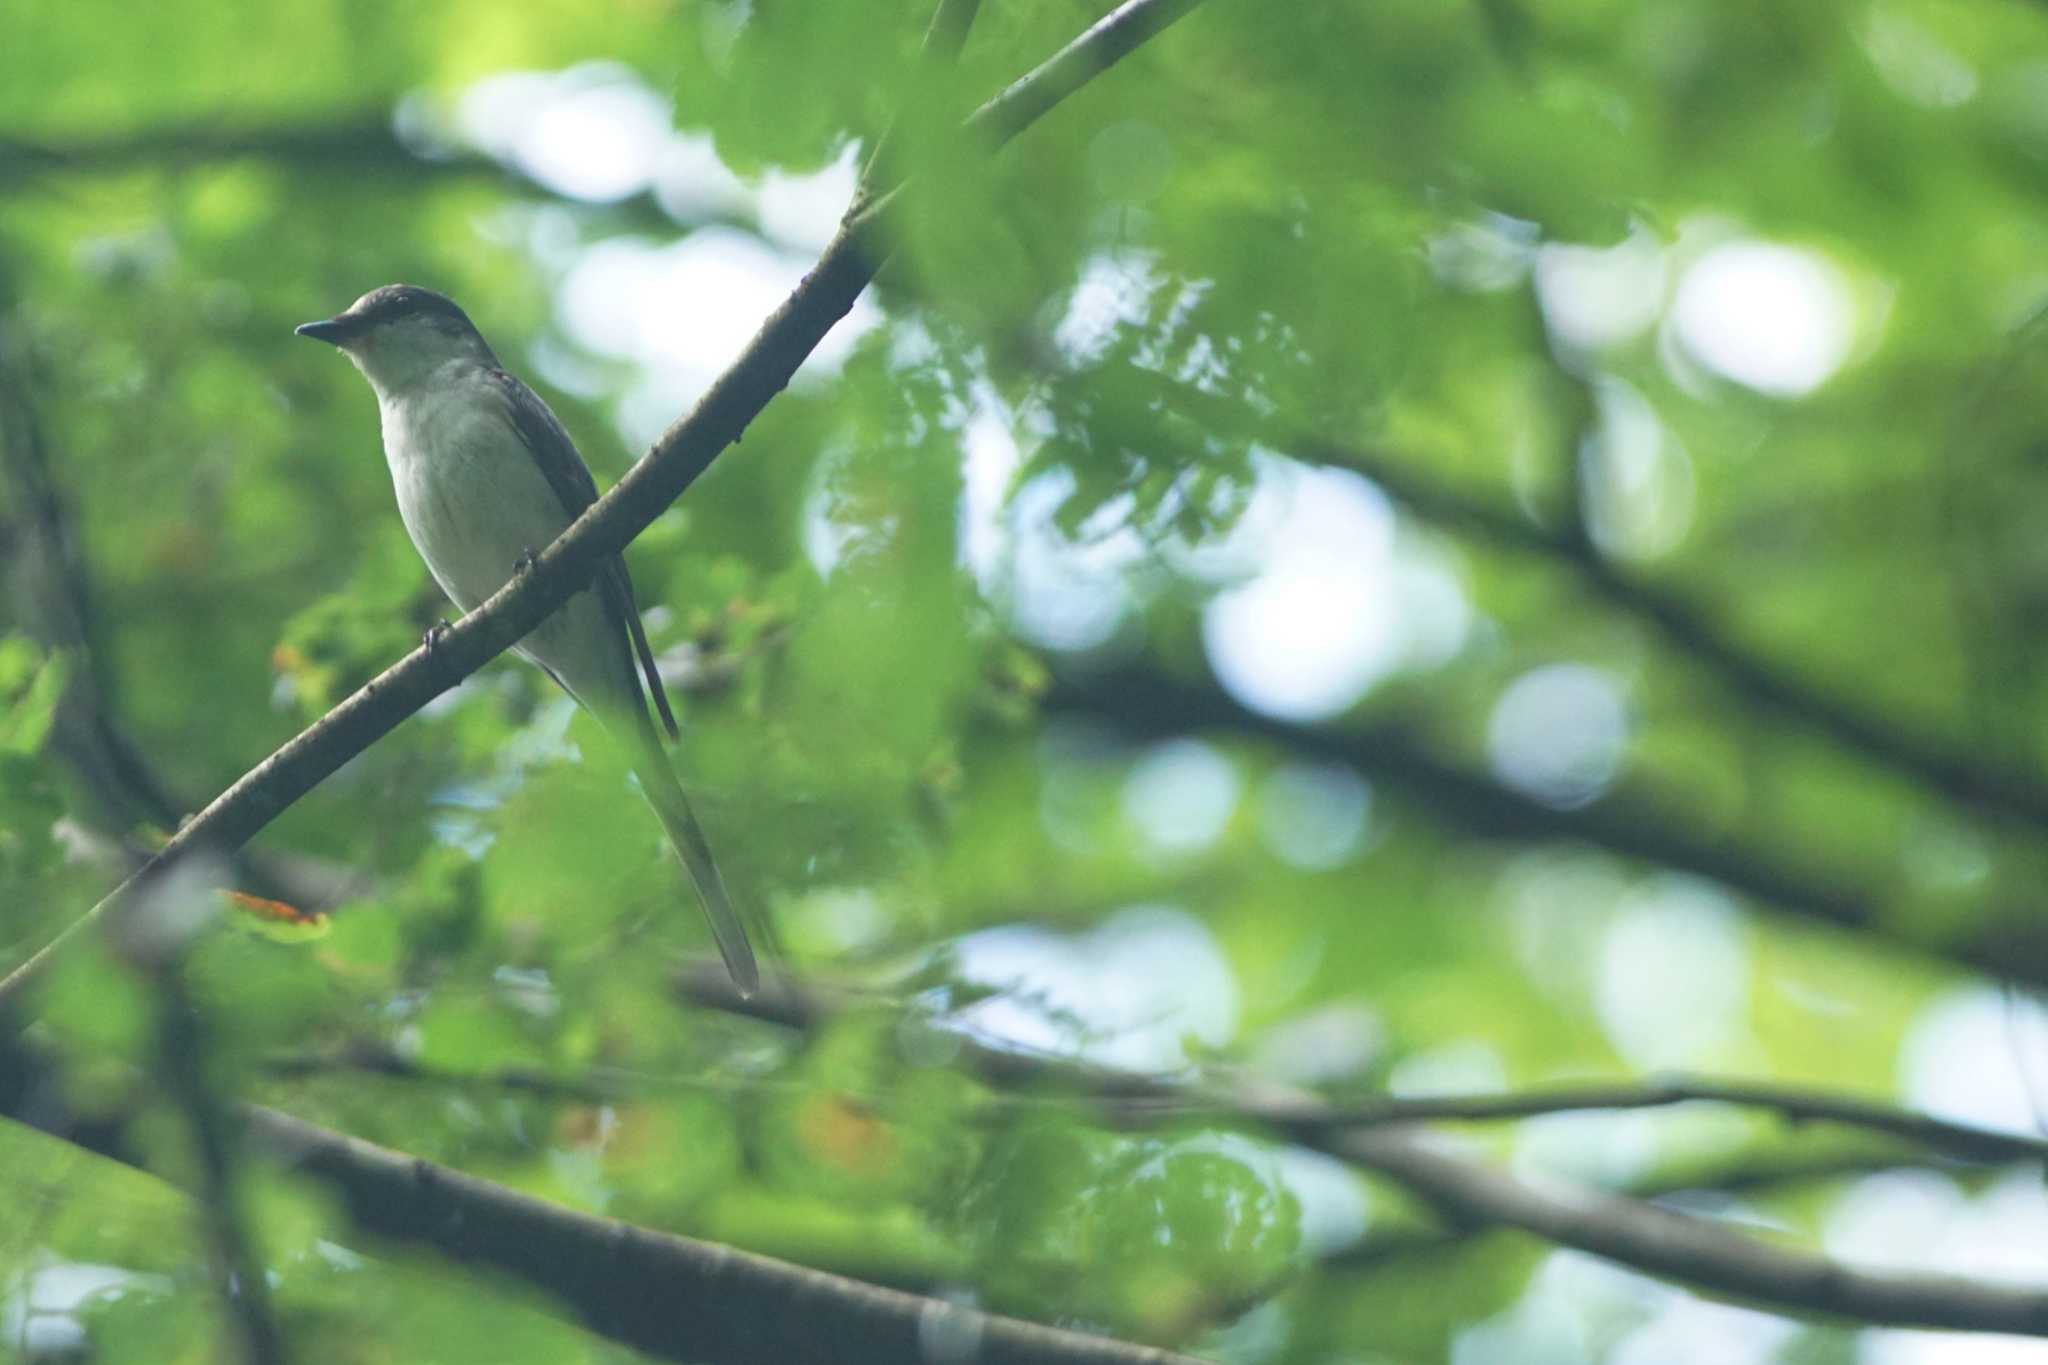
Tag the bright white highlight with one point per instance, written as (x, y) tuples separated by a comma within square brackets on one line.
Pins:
[(1777, 319), (804, 210), (1638, 479), (1180, 795), (684, 311), (1129, 994), (1976, 1057), (1559, 733), (1314, 815), (1674, 977), (1598, 297), (1921, 1222), (1321, 622), (592, 132)]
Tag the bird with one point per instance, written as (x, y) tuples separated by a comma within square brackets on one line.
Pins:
[(485, 475)]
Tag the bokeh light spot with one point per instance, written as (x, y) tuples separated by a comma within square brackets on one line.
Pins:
[(1558, 733), (1777, 319)]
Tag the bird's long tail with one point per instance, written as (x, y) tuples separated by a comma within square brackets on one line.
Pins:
[(665, 794)]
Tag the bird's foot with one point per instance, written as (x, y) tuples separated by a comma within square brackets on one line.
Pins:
[(434, 635), (523, 565)]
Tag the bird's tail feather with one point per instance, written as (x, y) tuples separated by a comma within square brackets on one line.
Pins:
[(665, 794)]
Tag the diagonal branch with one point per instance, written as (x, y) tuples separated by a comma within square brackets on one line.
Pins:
[(682, 453), (1637, 823), (943, 39), (1317, 1121), (1985, 781), (1990, 782), (1110, 39)]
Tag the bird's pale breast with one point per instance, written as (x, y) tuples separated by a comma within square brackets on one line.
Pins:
[(474, 501)]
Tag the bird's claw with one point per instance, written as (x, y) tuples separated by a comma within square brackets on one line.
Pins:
[(434, 635), (524, 564)]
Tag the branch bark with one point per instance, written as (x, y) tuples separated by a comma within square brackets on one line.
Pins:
[(674, 1297), (1692, 1250), (943, 40), (676, 460), (1465, 1190), (1388, 1241)]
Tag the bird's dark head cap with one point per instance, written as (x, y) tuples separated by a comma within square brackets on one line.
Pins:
[(383, 306)]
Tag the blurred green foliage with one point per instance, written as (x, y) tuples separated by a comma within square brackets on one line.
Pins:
[(1411, 242)]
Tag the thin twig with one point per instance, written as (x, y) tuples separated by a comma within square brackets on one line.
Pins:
[(363, 147), (1750, 1176), (1795, 1104), (154, 939), (1693, 1250), (1110, 39), (57, 599), (1465, 1190), (1311, 1119), (947, 34)]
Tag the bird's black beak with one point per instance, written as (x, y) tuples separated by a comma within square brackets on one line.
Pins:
[(333, 331)]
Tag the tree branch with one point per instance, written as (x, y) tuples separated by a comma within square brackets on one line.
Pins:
[(362, 141), (1635, 822), (1983, 781), (943, 39), (1795, 1104), (1464, 1190), (1987, 782), (804, 1006), (1115, 36), (1749, 1177), (1692, 1250), (674, 1297), (682, 453)]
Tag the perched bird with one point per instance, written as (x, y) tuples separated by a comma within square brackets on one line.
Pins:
[(485, 477)]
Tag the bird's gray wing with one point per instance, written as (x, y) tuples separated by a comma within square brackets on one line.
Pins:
[(552, 450)]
